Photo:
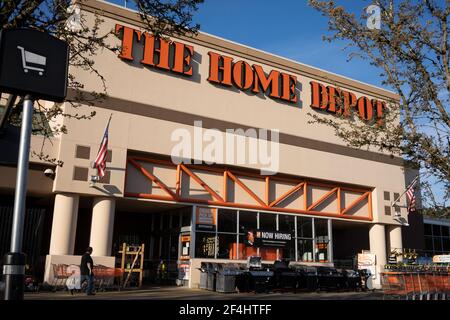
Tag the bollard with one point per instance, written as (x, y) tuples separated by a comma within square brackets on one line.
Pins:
[(14, 275)]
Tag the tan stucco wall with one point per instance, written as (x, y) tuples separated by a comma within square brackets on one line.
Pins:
[(38, 183)]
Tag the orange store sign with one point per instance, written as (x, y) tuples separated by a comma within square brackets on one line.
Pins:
[(176, 57), (278, 85), (157, 51), (335, 100)]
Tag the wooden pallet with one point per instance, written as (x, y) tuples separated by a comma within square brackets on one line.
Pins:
[(133, 256)]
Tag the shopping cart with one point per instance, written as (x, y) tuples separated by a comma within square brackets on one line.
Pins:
[(425, 285), (33, 58)]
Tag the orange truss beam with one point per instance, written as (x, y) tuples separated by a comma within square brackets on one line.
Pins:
[(153, 178), (355, 202), (323, 198), (261, 204), (287, 194), (201, 182), (246, 189)]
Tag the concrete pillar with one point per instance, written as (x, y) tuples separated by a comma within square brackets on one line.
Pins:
[(102, 226), (395, 237), (377, 240), (64, 226), (395, 240)]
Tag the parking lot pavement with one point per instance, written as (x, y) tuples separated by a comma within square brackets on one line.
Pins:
[(175, 293)]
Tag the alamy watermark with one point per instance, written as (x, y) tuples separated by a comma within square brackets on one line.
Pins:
[(374, 17), (256, 147)]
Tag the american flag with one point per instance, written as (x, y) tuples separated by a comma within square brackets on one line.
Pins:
[(411, 196), (100, 160)]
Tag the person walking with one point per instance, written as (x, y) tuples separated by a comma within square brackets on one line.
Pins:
[(86, 270)]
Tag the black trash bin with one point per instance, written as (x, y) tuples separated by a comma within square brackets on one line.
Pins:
[(260, 278), (212, 272), (329, 278), (203, 276), (284, 277), (340, 279), (243, 279), (366, 279), (226, 277), (310, 274), (352, 279), (323, 278), (300, 273)]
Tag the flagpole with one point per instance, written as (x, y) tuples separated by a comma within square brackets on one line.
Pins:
[(110, 116), (406, 190), (96, 177), (107, 125)]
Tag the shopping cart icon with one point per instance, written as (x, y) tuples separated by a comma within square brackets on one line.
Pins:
[(32, 58)]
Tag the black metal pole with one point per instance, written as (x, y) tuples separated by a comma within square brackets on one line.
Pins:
[(14, 261)]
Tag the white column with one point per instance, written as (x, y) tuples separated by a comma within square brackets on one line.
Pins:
[(102, 226), (64, 226), (395, 239), (377, 240)]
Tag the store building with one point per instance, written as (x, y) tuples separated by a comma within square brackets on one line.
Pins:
[(326, 203)]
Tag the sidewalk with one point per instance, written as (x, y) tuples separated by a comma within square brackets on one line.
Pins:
[(158, 293)]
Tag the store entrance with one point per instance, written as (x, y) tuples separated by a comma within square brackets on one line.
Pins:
[(157, 226), (349, 239)]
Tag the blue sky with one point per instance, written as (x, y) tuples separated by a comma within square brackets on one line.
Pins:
[(288, 28)]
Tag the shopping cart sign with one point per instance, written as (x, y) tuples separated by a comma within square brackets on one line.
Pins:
[(33, 62)]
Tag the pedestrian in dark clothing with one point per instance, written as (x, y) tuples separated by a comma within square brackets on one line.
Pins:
[(86, 270)]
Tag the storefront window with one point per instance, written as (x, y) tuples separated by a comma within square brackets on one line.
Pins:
[(305, 250), (446, 244), (321, 239), (427, 229), (268, 253), (286, 223), (205, 244), (304, 227), (321, 227), (437, 238), (429, 243), (267, 221), (288, 252), (227, 220), (436, 230), (244, 250), (227, 246), (247, 220), (437, 244), (226, 243)]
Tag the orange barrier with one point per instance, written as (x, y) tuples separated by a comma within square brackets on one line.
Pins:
[(104, 277), (415, 283)]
